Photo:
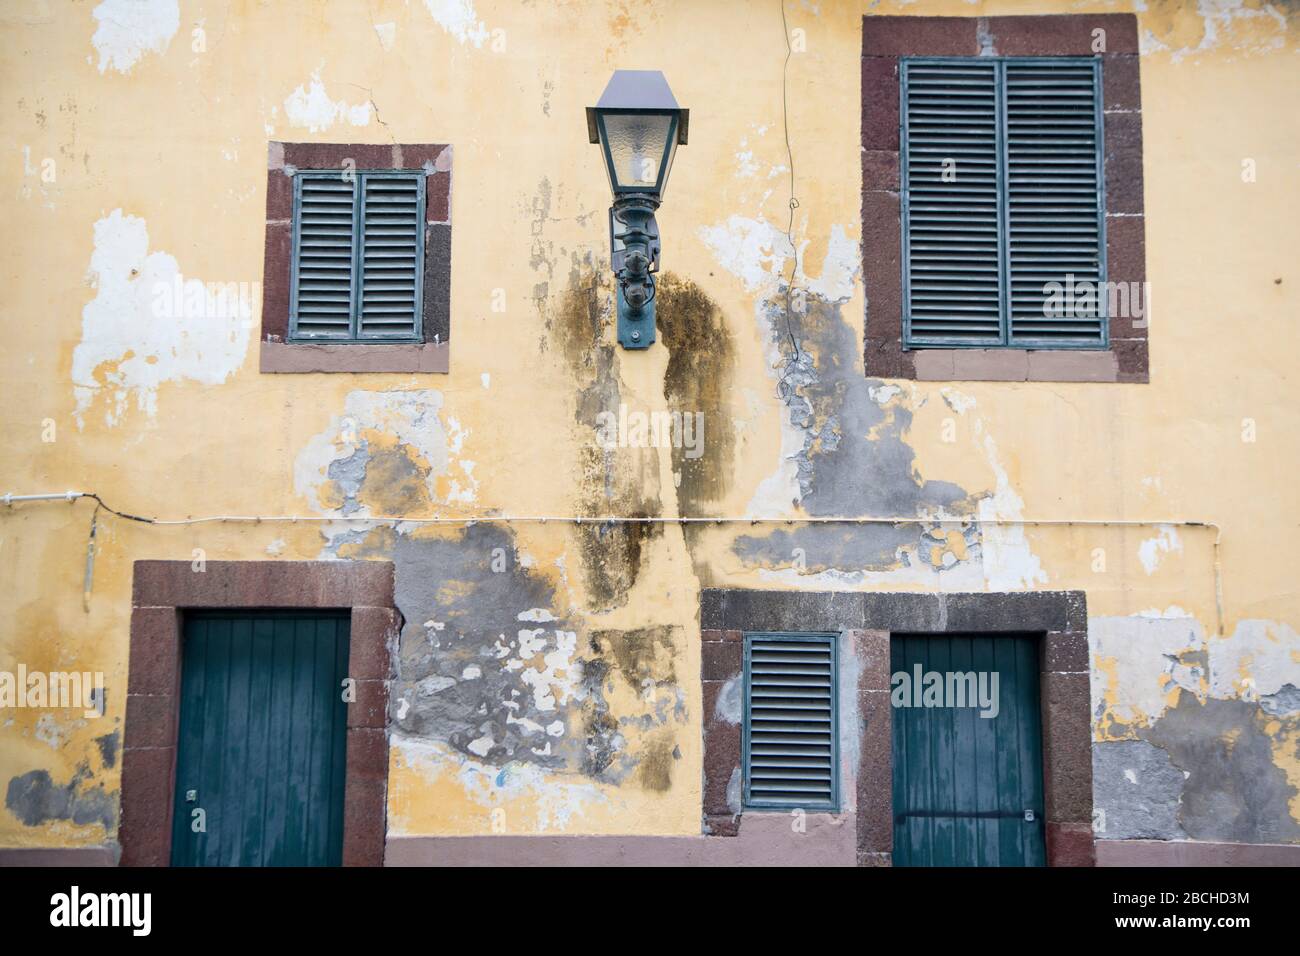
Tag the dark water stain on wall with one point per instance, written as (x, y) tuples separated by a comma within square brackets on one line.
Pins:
[(698, 382), (643, 655), (619, 482), (655, 772), (108, 745), (34, 798)]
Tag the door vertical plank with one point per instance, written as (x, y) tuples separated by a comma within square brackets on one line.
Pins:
[(338, 723), (260, 768)]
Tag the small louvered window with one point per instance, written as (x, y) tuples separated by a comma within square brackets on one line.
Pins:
[(1003, 207), (358, 257), (790, 737)]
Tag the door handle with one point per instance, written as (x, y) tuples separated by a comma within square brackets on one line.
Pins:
[(1029, 816), (191, 796)]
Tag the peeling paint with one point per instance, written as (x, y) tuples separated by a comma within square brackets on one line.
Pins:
[(311, 106), (128, 29), (129, 345)]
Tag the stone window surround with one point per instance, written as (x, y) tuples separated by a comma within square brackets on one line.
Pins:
[(162, 592), (278, 354), (868, 618), (885, 39)]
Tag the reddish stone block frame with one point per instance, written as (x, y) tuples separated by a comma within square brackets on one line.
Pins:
[(885, 40), (868, 619), (163, 591), (278, 354)]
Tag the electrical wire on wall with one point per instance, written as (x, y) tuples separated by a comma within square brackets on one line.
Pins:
[(394, 520)]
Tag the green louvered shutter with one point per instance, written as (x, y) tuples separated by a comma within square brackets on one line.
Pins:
[(952, 213), (392, 252), (1002, 203), (790, 738), (1054, 210), (358, 257), (324, 244)]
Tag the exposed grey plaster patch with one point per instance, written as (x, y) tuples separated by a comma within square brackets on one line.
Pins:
[(487, 665), (734, 792), (816, 548), (841, 470), (1137, 791), (731, 700), (462, 666), (853, 461), (1284, 703), (1234, 791), (34, 799), (349, 474), (108, 744)]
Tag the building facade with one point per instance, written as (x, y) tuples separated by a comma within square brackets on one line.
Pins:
[(342, 529)]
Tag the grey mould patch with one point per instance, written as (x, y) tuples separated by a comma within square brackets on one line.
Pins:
[(349, 474), (1284, 703), (1202, 771), (108, 745), (1137, 790), (34, 799), (854, 461)]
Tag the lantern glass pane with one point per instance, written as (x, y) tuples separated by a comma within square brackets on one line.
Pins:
[(637, 145)]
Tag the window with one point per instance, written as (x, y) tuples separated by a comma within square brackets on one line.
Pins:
[(790, 739), (1003, 209), (358, 254), (356, 273)]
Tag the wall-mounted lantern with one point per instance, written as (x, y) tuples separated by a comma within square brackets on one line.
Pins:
[(639, 126)]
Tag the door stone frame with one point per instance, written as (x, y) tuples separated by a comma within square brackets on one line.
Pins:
[(1060, 617), (161, 594)]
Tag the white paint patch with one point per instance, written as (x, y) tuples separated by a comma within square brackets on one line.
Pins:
[(473, 672), (1139, 659), (276, 547), (410, 416), (387, 33), (486, 379), (312, 107), (1258, 659), (128, 29), (882, 395), (1136, 661), (537, 614), (556, 683), (1151, 551), (1009, 562), (753, 250), (839, 268), (458, 18), (127, 348)]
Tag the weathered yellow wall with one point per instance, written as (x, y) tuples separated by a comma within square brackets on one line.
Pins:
[(170, 144)]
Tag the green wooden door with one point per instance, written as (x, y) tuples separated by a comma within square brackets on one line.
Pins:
[(261, 743), (968, 790)]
